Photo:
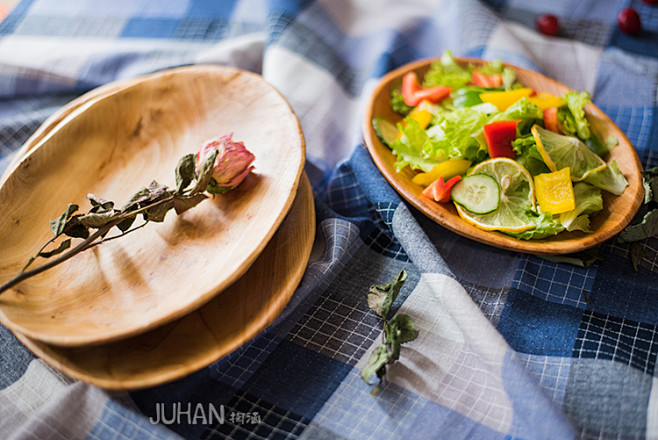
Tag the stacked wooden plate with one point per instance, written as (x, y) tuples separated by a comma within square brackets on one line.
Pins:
[(172, 297)]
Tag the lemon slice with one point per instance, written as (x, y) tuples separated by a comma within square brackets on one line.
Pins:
[(560, 152), (517, 197)]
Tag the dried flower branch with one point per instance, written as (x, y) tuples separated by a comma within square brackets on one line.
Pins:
[(218, 167)]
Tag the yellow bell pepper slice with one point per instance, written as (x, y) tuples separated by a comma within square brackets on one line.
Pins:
[(447, 169), (502, 100), (422, 116), (545, 100), (554, 191)]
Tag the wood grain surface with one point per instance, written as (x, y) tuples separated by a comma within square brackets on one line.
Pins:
[(113, 143), (617, 211), (217, 328)]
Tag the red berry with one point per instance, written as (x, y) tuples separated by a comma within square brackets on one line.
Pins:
[(629, 21), (651, 2), (547, 24)]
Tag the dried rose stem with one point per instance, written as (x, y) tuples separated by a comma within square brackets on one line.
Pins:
[(82, 246)]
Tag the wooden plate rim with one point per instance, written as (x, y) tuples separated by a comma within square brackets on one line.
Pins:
[(79, 104), (62, 358)]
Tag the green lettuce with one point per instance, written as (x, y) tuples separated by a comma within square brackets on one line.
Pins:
[(456, 134), (523, 110), (397, 102), (588, 201), (411, 146), (545, 226), (459, 135), (447, 72), (572, 116), (528, 155), (609, 179)]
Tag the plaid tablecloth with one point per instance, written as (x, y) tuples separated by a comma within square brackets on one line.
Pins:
[(510, 345)]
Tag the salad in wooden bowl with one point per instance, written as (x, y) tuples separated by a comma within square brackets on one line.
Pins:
[(503, 155)]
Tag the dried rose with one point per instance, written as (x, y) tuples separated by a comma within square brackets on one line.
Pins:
[(232, 164)]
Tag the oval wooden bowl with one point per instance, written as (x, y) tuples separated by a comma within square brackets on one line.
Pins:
[(212, 331), (617, 211), (57, 118), (111, 145)]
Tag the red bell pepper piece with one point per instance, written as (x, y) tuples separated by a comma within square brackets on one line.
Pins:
[(550, 119), (499, 136), (439, 191), (487, 81), (413, 93)]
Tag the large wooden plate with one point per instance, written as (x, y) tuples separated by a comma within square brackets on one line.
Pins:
[(215, 329), (617, 211), (111, 145)]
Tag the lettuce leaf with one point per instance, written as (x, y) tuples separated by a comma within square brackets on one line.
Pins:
[(588, 201), (397, 102), (524, 110), (458, 135), (528, 155), (609, 179), (409, 148), (546, 226), (574, 120), (447, 72)]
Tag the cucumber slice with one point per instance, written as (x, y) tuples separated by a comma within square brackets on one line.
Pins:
[(386, 130), (477, 193)]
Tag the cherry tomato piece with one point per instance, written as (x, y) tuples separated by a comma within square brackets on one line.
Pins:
[(547, 24), (629, 21)]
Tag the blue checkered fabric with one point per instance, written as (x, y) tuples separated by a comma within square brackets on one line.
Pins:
[(510, 346)]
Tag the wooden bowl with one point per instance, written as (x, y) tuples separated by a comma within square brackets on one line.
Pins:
[(111, 145), (617, 211), (212, 331)]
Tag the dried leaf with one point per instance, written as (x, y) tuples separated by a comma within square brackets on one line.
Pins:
[(138, 198), (144, 196), (185, 173), (204, 173), (126, 224), (397, 331), (376, 364), (99, 204), (157, 191), (97, 220), (28, 264), (637, 253), (76, 229), (381, 296), (182, 204), (648, 227), (57, 225), (404, 327), (64, 245), (157, 213), (581, 259)]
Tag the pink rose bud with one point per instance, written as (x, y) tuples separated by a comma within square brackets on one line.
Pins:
[(232, 164)]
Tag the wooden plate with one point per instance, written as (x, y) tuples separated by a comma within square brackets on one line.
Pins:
[(617, 211), (111, 145), (217, 328)]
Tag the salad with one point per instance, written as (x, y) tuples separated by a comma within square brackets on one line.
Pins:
[(509, 158)]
